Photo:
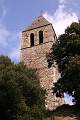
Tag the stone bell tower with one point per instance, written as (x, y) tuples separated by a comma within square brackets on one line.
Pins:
[(36, 43)]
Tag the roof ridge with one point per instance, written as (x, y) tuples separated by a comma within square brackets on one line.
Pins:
[(39, 22)]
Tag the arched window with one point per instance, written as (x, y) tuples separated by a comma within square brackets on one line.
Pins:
[(40, 37), (31, 39)]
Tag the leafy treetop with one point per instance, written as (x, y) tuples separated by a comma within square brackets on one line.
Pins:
[(66, 54)]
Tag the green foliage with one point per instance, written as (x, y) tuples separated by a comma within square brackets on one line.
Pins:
[(21, 97), (66, 54)]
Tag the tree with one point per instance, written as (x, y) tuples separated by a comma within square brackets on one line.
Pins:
[(66, 54), (21, 97)]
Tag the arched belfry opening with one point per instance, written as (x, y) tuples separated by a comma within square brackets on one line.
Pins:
[(40, 37), (37, 41), (31, 39)]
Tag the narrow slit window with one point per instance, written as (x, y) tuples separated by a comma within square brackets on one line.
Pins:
[(31, 39), (40, 37)]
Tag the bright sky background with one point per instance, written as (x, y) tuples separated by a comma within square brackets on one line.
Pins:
[(15, 15)]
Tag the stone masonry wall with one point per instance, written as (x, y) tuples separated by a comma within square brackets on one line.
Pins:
[(48, 35), (35, 57)]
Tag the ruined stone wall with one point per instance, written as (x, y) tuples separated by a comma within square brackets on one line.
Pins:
[(35, 57)]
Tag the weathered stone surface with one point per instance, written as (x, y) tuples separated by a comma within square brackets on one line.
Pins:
[(35, 57)]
